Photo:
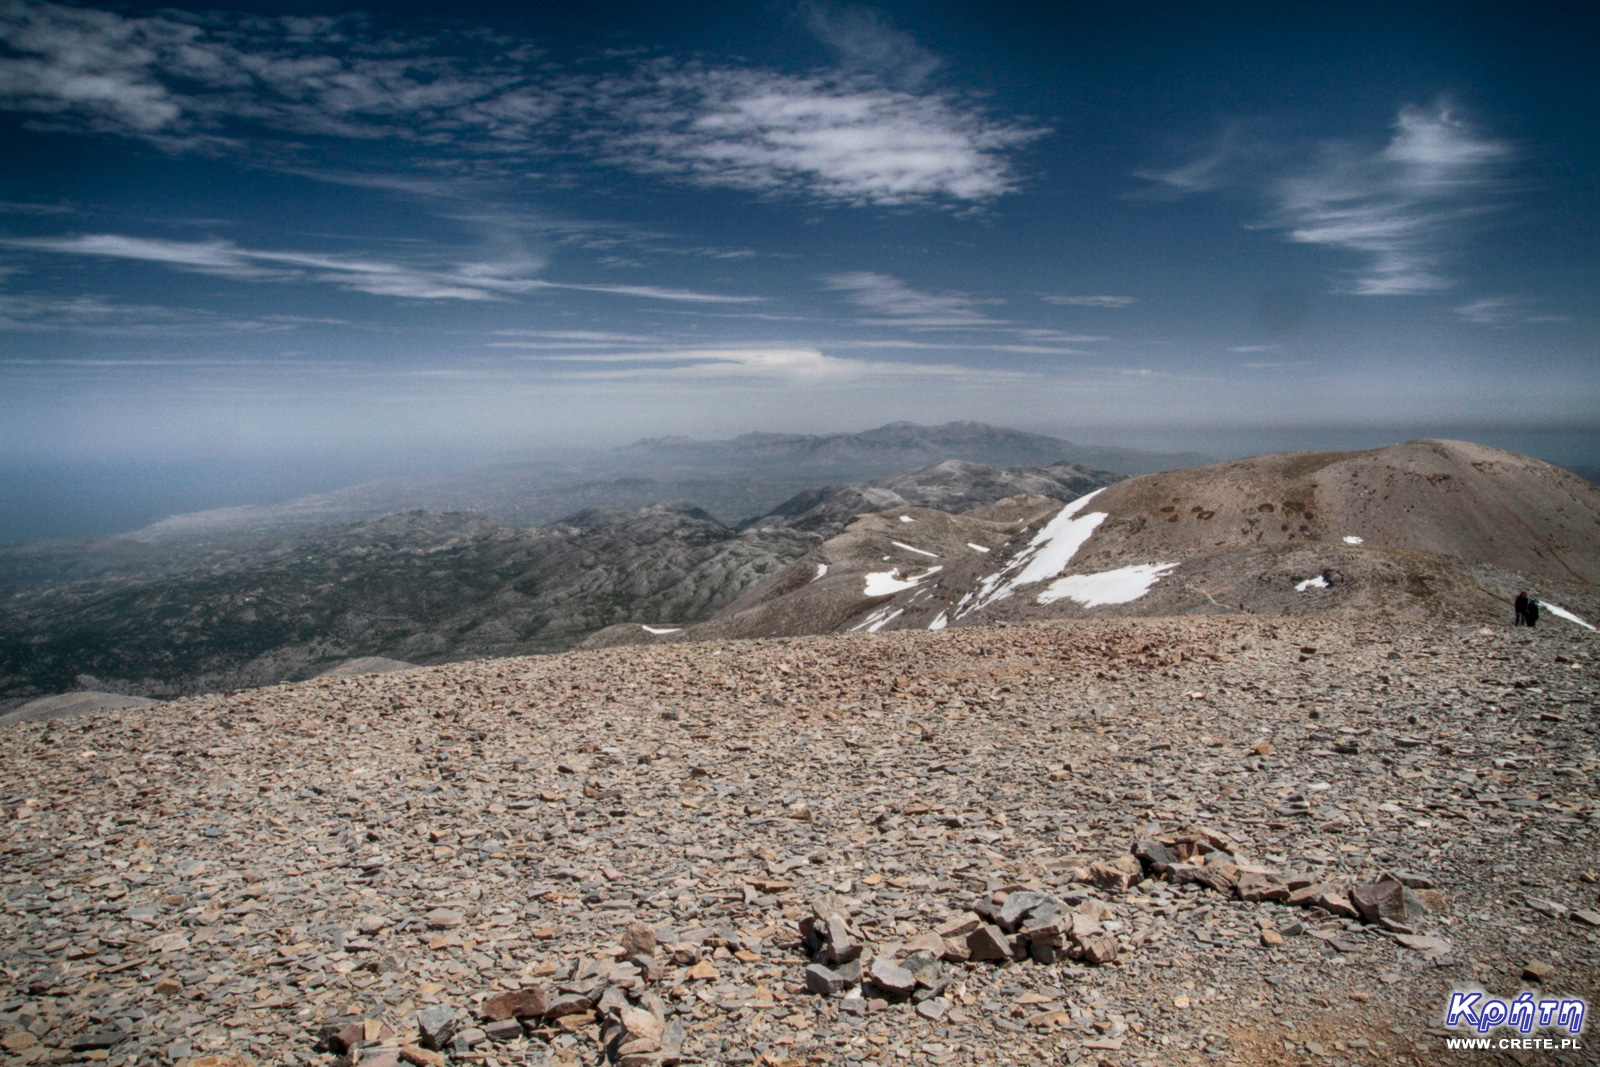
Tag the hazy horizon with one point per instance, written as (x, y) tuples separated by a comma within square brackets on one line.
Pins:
[(95, 498), (248, 254)]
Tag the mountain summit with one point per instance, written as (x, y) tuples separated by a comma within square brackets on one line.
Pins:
[(1423, 529)]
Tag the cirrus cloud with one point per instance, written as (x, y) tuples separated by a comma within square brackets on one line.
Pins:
[(257, 86)]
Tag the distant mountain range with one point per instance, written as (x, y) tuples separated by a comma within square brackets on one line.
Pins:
[(172, 616), (731, 480), (1427, 529)]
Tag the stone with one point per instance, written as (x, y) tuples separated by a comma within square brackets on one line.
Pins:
[(530, 1001), (960, 927), (1386, 900), (823, 981), (1537, 971), (422, 1057), (639, 940), (1335, 902), (988, 943), (1222, 877), (1431, 899), (567, 1004), (1154, 857), (642, 1032), (891, 977), (924, 967), (956, 950), (1019, 906), (1261, 888), (1436, 946), (445, 919), (437, 1024), (1101, 948), (840, 946), (1586, 916), (1116, 874), (467, 1040), (930, 943), (1271, 939)]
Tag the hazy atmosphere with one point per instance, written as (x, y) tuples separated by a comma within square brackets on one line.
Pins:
[(251, 251)]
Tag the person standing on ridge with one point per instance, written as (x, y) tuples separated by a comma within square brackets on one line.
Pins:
[(1521, 605), (1532, 611)]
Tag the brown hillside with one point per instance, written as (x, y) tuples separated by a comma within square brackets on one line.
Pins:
[(1449, 498)]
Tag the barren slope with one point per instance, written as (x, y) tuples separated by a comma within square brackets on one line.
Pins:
[(1428, 529), (227, 875)]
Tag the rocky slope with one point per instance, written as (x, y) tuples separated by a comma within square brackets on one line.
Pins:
[(420, 586), (553, 860), (955, 486), (1426, 529)]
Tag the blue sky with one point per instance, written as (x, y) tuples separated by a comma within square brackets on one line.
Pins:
[(277, 234)]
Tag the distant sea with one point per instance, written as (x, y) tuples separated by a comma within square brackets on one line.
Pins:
[(80, 498)]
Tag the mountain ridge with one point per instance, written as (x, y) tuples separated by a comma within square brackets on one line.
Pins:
[(731, 479), (1425, 528)]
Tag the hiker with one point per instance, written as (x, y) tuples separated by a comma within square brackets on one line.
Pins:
[(1521, 604), (1532, 611)]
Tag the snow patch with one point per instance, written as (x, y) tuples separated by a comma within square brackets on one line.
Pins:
[(655, 630), (885, 583), (881, 623), (1353, 541), (977, 548), (918, 551), (1557, 609), (877, 620), (1319, 582), (1107, 587), (822, 569), (940, 623), (907, 518), (1051, 549)]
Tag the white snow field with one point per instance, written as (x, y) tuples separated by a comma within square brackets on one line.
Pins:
[(1107, 587), (1051, 549), (884, 583)]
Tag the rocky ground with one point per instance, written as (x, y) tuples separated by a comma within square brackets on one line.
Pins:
[(862, 849)]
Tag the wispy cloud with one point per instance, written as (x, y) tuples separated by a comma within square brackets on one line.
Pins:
[(841, 138), (869, 132), (789, 363), (932, 346), (867, 43), (1088, 301), (1503, 312), (1397, 208), (36, 312), (484, 280), (890, 301)]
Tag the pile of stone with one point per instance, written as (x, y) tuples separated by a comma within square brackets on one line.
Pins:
[(1004, 927), (612, 994), (1396, 902)]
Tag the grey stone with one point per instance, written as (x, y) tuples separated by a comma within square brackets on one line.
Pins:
[(823, 981), (437, 1025)]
